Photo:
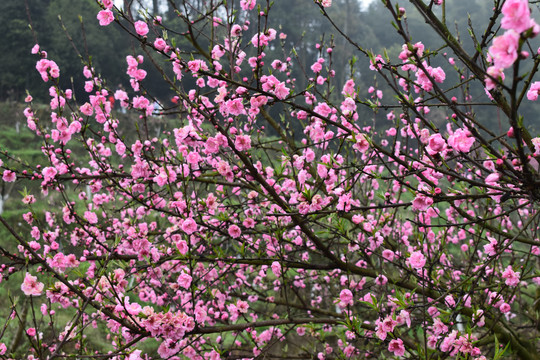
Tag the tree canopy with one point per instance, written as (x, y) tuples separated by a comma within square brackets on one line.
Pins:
[(225, 180)]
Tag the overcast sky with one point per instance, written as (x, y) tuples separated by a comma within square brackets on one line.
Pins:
[(367, 2)]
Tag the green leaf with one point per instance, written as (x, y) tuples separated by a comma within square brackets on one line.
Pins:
[(498, 351)]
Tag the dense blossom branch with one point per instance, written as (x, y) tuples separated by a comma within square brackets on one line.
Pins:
[(268, 219)]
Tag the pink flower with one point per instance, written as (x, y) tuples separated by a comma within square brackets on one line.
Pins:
[(348, 106), (200, 315), (182, 247), (189, 226), (532, 94), (495, 73), (491, 248), (87, 109), (512, 277), (436, 144), (49, 173), (504, 308), (121, 95), (91, 217), (404, 317), (516, 15), (236, 30), (259, 40), (388, 324), (396, 346), (439, 327), (160, 44), (105, 17), (346, 297), (168, 348), (417, 48), (87, 72), (195, 65), (141, 28), (377, 63), (503, 51), (385, 326), (281, 91), (316, 67), (108, 3), (247, 4), (326, 3), (276, 268), (184, 280), (461, 140), (422, 79), (388, 255), (29, 199), (242, 306), (422, 202), (235, 107), (9, 176), (417, 260), (234, 231), (88, 86), (448, 341), (348, 88), (31, 332), (47, 68), (536, 143), (136, 355), (30, 286), (242, 142), (140, 102), (492, 178)]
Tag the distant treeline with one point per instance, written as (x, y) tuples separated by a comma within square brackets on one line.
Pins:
[(106, 51)]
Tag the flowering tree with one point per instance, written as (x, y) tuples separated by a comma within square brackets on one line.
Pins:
[(230, 235)]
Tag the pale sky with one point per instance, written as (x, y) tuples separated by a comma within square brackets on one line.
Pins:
[(365, 3)]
